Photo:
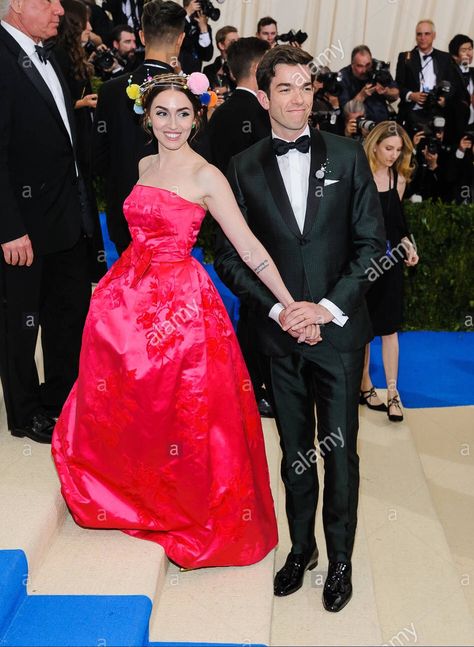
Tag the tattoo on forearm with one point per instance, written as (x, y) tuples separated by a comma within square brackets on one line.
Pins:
[(261, 267)]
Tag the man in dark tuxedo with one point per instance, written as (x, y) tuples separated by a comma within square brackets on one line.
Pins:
[(197, 45), (119, 141), (309, 197), (44, 220), (218, 73), (418, 72), (126, 12), (235, 125)]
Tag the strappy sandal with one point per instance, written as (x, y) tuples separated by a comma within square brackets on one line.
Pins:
[(394, 402), (371, 393)]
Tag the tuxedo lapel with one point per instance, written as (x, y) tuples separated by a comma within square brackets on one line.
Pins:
[(277, 188), (316, 184), (67, 99)]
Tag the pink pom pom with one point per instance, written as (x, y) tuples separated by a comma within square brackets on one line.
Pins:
[(198, 82)]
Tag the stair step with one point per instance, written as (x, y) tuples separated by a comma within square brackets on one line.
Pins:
[(80, 621), (13, 575), (220, 605)]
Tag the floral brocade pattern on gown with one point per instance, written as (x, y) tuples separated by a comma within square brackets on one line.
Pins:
[(160, 436)]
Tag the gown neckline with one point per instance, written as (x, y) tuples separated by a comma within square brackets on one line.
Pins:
[(176, 195)]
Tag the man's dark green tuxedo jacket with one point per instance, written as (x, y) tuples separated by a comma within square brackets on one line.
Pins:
[(343, 232)]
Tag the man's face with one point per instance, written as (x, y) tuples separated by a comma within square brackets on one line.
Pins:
[(290, 99), (269, 33), (39, 19), (229, 39), (425, 36), (361, 65), (126, 45), (464, 54)]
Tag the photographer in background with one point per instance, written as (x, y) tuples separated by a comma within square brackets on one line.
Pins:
[(462, 108), (123, 51), (327, 114), (267, 29), (218, 73), (419, 74), (369, 81), (460, 171), (355, 120), (432, 157), (197, 45)]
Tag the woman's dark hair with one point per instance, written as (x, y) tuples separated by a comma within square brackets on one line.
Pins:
[(71, 26), (178, 83), (281, 55)]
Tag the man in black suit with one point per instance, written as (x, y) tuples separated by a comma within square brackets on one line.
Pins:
[(197, 45), (235, 125), (43, 266), (418, 72), (461, 50), (309, 197), (119, 141), (126, 12), (218, 73)]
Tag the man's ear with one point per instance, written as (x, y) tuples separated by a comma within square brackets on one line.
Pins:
[(179, 42), (142, 37), (263, 99), (115, 44)]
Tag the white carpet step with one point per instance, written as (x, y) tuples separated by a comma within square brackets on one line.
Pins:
[(220, 605)]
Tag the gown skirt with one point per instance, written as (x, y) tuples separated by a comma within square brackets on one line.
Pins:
[(160, 436)]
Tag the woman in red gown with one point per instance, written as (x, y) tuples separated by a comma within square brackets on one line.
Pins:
[(160, 436)]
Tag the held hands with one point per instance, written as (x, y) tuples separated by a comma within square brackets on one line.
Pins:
[(301, 320), (18, 251)]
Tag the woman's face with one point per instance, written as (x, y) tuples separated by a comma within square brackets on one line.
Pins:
[(388, 150), (85, 36), (172, 116)]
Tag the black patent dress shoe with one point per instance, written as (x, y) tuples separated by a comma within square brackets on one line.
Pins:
[(265, 408), (40, 429), (290, 578), (338, 586)]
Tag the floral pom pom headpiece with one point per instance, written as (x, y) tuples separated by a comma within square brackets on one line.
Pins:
[(196, 82)]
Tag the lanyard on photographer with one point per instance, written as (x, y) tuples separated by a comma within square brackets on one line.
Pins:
[(423, 67)]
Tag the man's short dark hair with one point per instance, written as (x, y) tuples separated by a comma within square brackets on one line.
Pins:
[(456, 42), (243, 53), (360, 49), (162, 21), (117, 32), (281, 55), (264, 22), (223, 32)]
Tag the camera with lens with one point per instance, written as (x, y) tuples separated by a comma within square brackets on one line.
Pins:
[(364, 124), (293, 37), (380, 73), (332, 82), (430, 141), (209, 10), (104, 59), (441, 90)]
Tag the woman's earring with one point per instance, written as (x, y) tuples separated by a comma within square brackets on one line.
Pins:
[(148, 124), (194, 125)]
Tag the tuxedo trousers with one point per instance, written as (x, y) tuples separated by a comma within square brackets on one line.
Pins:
[(54, 294), (327, 379)]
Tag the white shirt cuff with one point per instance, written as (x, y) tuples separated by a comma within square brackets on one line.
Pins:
[(275, 312), (459, 154), (339, 317), (204, 39), (408, 96)]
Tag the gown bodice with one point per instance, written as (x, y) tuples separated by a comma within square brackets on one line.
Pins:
[(162, 222)]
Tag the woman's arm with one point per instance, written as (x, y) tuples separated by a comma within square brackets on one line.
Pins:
[(222, 205), (410, 249)]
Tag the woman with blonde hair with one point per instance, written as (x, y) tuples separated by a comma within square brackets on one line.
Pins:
[(389, 151)]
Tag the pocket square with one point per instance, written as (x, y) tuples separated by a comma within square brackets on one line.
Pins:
[(328, 182)]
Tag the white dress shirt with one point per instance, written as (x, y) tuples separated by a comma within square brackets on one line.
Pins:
[(204, 38), (295, 168), (427, 76), (47, 72)]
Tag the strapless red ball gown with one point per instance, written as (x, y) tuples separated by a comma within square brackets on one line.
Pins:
[(160, 436)]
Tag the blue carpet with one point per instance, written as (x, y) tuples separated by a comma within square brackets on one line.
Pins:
[(436, 368)]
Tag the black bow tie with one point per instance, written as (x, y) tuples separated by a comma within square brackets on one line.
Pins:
[(44, 52), (301, 144), (425, 57)]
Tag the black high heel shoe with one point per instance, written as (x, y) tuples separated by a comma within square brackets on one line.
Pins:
[(364, 399), (395, 402)]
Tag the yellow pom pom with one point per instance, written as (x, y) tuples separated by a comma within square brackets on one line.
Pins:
[(133, 91), (213, 100)]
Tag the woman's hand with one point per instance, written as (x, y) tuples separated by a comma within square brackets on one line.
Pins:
[(410, 250), (89, 101)]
